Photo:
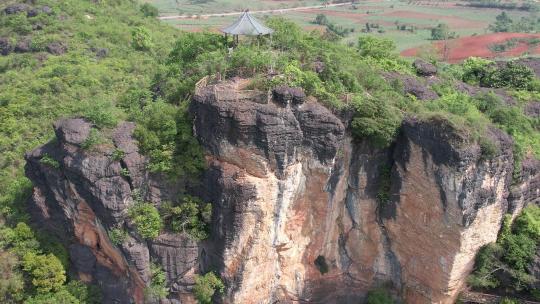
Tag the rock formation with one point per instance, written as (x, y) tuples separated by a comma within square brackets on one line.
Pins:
[(302, 212)]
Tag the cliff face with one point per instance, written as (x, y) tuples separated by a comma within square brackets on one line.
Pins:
[(88, 194), (301, 211)]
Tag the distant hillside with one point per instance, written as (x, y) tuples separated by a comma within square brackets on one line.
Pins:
[(61, 58)]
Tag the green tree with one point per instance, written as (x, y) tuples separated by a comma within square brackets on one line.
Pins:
[(206, 286), (158, 283), (85, 293), (503, 23), (146, 219), (377, 48), (149, 10), (511, 75), (141, 39), (375, 120), (46, 271), (442, 32), (321, 19), (59, 297), (476, 70), (191, 216)]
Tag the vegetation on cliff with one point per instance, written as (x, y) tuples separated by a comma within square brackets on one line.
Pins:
[(506, 263), (66, 58), (206, 286)]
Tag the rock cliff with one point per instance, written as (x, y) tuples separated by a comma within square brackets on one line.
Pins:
[(302, 212)]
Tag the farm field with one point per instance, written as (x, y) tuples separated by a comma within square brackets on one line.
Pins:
[(456, 50), (408, 24)]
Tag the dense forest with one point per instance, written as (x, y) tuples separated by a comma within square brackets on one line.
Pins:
[(112, 60)]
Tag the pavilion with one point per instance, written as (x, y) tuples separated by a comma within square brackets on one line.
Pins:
[(246, 25)]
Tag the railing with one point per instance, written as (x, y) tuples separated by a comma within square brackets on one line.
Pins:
[(206, 80), (230, 94)]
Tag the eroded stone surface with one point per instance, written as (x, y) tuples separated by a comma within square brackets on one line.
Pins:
[(88, 195), (289, 186)]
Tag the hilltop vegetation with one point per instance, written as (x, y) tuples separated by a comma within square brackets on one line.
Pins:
[(62, 58)]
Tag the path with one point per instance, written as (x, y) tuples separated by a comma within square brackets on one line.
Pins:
[(281, 10)]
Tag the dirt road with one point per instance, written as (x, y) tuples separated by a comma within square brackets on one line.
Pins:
[(282, 10)]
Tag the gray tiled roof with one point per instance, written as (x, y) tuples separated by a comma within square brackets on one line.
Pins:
[(247, 25)]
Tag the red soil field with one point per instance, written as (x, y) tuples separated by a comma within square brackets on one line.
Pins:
[(478, 46), (453, 22)]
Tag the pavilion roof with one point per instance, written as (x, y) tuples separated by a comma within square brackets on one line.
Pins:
[(247, 25)]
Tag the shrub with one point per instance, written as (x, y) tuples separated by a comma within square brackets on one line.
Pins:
[(94, 138), (102, 114), (385, 182), (475, 69), (118, 154), (528, 222), (511, 255), (49, 161), (156, 132), (146, 219), (376, 121), (509, 301), (487, 263), (21, 238), (46, 271), (321, 19), (62, 296), (206, 286), (379, 296), (149, 10), (442, 32), (165, 133), (250, 59), (158, 283), (141, 39), (117, 235), (378, 48), (511, 75), (86, 294), (191, 216)]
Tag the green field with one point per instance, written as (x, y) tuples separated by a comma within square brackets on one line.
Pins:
[(465, 21)]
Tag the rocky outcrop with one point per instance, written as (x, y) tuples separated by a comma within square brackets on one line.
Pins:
[(292, 189), (414, 86), (88, 193), (5, 46), (424, 68), (302, 212)]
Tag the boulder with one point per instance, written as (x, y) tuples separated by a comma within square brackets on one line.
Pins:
[(413, 85), (100, 52), (16, 8), (23, 46), (72, 131), (56, 48), (532, 109), (285, 94), (46, 10), (33, 12), (424, 68), (5, 46)]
